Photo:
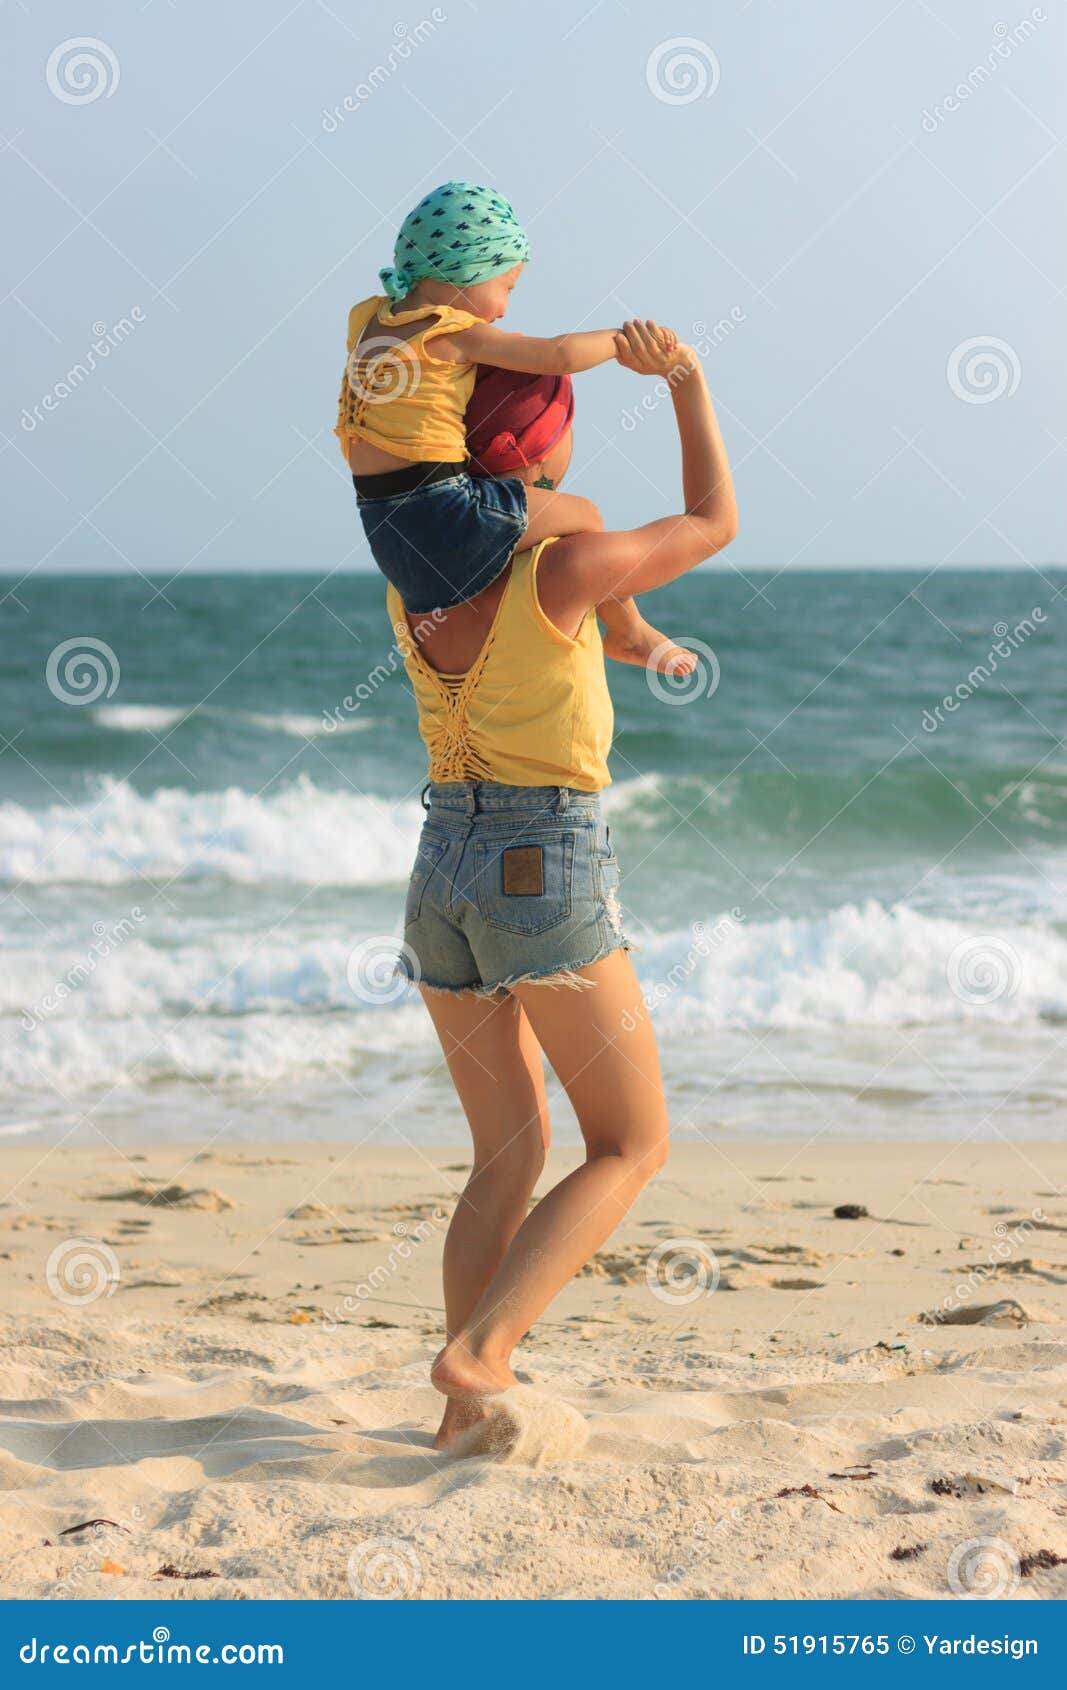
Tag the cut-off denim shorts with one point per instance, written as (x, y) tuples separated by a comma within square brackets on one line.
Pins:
[(510, 884), (442, 544)]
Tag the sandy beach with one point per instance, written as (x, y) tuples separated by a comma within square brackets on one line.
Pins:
[(222, 1355)]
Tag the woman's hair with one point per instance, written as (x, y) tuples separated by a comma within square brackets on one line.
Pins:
[(514, 420)]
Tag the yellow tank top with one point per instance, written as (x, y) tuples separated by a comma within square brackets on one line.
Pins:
[(532, 710), (397, 395)]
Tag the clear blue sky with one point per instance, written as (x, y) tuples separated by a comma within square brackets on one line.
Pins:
[(857, 242)]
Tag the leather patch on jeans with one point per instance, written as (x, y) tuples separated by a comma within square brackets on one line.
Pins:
[(524, 871)]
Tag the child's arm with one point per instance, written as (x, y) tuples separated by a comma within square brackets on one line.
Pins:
[(536, 355), (589, 568)]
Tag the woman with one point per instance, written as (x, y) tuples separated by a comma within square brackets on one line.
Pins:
[(512, 924)]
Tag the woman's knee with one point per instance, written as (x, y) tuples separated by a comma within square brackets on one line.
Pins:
[(520, 1160), (644, 1149), (655, 1153), (659, 1152)]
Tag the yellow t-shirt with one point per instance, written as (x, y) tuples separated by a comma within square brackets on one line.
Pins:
[(396, 394), (533, 709)]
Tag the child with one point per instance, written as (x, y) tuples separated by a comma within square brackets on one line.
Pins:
[(439, 535)]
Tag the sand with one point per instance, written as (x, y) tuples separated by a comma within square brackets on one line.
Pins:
[(740, 1399)]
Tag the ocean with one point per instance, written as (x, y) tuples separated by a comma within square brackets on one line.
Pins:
[(844, 850)]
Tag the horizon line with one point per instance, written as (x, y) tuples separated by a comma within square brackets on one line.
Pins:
[(173, 574)]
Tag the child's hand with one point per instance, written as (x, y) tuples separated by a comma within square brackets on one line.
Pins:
[(646, 348)]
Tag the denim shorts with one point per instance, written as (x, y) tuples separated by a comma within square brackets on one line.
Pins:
[(511, 883), (442, 544)]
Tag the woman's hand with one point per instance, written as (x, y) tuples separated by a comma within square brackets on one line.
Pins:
[(648, 349)]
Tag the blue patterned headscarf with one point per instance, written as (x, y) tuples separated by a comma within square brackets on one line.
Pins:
[(460, 233)]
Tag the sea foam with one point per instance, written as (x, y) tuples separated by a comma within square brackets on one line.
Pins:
[(300, 833)]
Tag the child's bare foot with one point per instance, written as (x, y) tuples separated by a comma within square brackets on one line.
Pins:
[(461, 1413), (640, 643), (459, 1373)]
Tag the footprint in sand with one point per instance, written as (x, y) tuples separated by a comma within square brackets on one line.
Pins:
[(1027, 1267), (417, 1211), (1006, 1313), (171, 1197), (238, 1161), (343, 1235), (742, 1276), (1037, 1222), (794, 1255)]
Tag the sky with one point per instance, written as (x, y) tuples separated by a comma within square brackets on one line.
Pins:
[(854, 209)]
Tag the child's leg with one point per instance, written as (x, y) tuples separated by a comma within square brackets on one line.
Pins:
[(628, 638), (550, 515)]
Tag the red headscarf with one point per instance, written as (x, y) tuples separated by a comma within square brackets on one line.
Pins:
[(514, 419)]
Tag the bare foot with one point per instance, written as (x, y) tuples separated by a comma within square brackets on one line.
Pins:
[(461, 1414), (643, 644), (457, 1372)]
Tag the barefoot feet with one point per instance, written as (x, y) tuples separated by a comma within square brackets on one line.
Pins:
[(461, 1414), (461, 1374), (640, 643), (469, 1383)]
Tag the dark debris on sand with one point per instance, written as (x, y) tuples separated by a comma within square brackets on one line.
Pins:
[(169, 1571), (1041, 1561)]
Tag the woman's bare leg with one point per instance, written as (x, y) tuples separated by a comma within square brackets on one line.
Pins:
[(602, 1047), (496, 1066)]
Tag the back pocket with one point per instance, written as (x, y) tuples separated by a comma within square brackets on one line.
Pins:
[(507, 878), (429, 854)]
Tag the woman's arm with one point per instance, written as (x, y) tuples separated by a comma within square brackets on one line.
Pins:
[(587, 568), (535, 355)]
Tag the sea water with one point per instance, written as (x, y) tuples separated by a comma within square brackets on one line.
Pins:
[(844, 849)]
